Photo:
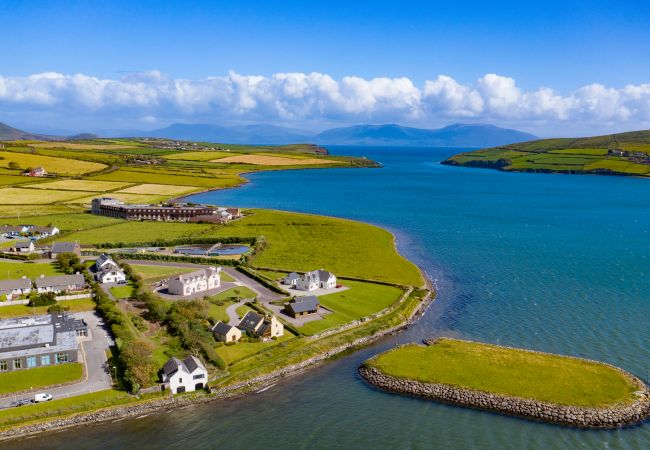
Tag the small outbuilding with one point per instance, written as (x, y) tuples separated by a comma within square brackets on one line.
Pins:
[(223, 332), (302, 306)]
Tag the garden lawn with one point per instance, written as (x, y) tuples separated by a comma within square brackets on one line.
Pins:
[(39, 377), (240, 350), (484, 367), (152, 273), (344, 247), (122, 291), (9, 270), (361, 300), (244, 293), (84, 304)]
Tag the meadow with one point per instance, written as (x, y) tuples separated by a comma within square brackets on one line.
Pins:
[(22, 380), (20, 196), (18, 269), (518, 373), (52, 164)]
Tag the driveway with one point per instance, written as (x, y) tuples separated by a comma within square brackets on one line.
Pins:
[(93, 352)]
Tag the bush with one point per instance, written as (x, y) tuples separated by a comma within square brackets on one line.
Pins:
[(57, 308), (45, 299)]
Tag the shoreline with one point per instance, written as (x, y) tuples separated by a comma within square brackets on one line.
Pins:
[(583, 417)]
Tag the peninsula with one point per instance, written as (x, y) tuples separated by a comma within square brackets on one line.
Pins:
[(614, 154), (535, 385)]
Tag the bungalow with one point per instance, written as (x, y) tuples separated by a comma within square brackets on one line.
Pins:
[(60, 283), (187, 375), (65, 247), (261, 326), (194, 282), (316, 279), (36, 172), (302, 306), (225, 333), (42, 232), (24, 247), (12, 230), (11, 288)]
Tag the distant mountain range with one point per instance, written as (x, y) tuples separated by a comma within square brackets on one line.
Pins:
[(458, 135)]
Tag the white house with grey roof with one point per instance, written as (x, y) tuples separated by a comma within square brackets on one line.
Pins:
[(195, 282), (187, 375), (310, 281), (24, 247), (60, 283), (108, 271), (15, 288)]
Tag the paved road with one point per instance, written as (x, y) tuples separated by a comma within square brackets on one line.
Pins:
[(231, 310), (94, 352)]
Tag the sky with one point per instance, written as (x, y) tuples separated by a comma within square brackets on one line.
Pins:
[(548, 67)]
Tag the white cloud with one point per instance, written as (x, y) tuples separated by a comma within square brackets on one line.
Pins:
[(317, 97)]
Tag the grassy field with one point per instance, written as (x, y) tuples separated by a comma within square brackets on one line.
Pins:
[(361, 300), (18, 269), (122, 291), (265, 160), (151, 273), (232, 353), (229, 294), (132, 232), (548, 378), (39, 377), (341, 246), (204, 180), (85, 304), (8, 180), (60, 166), (581, 155), (81, 185), (158, 189), (21, 196), (66, 222)]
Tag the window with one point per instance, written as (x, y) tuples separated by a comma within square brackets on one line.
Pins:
[(180, 380), (61, 358), (3, 366), (18, 363), (198, 377), (45, 360), (31, 362)]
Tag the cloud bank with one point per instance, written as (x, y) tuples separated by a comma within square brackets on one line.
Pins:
[(294, 98)]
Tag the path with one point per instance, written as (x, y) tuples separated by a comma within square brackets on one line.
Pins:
[(231, 310)]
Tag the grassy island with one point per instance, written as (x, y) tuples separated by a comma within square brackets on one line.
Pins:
[(541, 386), (614, 154)]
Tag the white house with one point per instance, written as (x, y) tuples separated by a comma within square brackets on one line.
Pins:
[(111, 275), (194, 282), (11, 288), (187, 375), (24, 247), (42, 232), (261, 326), (226, 333), (316, 279), (291, 279), (104, 262)]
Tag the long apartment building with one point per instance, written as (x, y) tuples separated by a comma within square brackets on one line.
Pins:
[(180, 212)]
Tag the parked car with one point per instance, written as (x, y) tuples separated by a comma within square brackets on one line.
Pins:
[(25, 401), (43, 397)]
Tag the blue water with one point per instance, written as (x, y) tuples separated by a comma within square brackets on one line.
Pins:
[(557, 263)]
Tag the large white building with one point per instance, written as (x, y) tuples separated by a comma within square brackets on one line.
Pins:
[(195, 282), (187, 375)]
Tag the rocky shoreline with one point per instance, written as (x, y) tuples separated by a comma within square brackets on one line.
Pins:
[(615, 416), (112, 414)]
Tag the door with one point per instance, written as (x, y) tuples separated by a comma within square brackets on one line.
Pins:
[(180, 389), (198, 386)]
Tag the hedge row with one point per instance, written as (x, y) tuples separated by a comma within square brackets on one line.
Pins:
[(262, 280), (175, 258), (182, 241)]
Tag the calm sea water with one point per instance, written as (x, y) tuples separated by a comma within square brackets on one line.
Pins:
[(550, 262)]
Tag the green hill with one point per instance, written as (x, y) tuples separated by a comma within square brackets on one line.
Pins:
[(613, 154)]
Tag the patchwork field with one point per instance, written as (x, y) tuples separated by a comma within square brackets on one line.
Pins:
[(51, 164), (20, 196), (128, 198), (8, 180), (158, 189), (79, 146), (198, 156), (165, 177), (265, 160), (81, 185)]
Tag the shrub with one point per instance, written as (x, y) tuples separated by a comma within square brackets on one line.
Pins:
[(45, 299)]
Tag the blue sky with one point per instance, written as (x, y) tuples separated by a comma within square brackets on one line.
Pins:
[(567, 47)]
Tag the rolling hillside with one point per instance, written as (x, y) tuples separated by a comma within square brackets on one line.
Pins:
[(613, 154)]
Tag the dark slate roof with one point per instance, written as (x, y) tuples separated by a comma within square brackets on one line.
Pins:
[(303, 304), (23, 244), (61, 280), (250, 321), (10, 285), (172, 366), (64, 247), (103, 258), (11, 229), (292, 276), (221, 328), (192, 362), (324, 274)]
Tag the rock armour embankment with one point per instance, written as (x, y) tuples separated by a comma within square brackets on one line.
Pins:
[(581, 417)]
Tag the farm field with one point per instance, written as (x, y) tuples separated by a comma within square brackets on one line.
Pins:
[(8, 180), (21, 196), (81, 185), (266, 160), (198, 155), (490, 368), (157, 189), (66, 222), (24, 211), (582, 155), (361, 300), (199, 180), (128, 198), (17, 269), (51, 164)]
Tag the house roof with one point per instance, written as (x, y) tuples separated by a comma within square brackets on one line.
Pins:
[(10, 285), (109, 269), (60, 280), (172, 366), (11, 229), (303, 304), (38, 229), (103, 258), (251, 321), (292, 276), (208, 272), (27, 244), (324, 274), (221, 328), (65, 247), (192, 363)]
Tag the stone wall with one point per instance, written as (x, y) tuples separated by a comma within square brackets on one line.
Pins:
[(582, 417)]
